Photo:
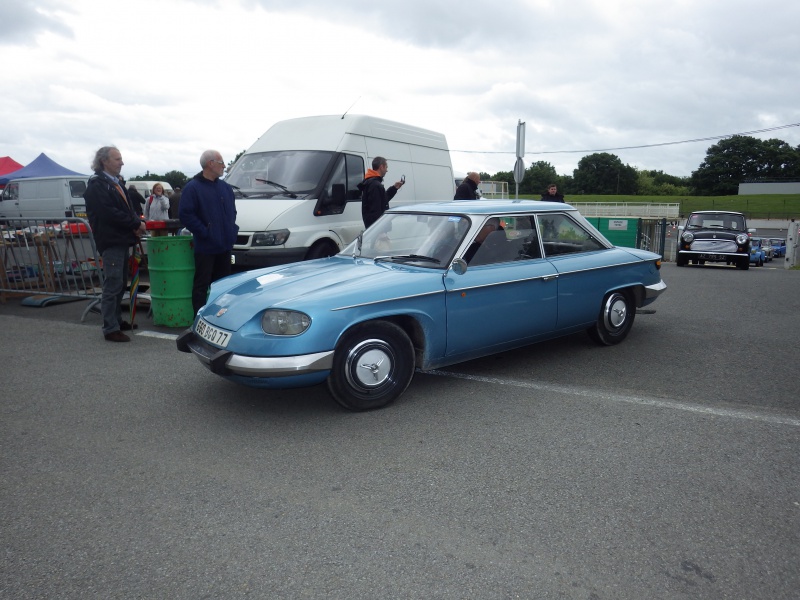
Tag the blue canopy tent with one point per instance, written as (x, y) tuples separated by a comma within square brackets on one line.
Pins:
[(42, 166)]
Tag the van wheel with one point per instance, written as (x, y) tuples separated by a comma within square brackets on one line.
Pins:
[(321, 249)]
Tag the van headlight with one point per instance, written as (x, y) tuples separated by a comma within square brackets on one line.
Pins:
[(284, 322), (270, 238)]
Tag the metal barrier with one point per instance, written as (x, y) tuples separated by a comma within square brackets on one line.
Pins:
[(50, 259)]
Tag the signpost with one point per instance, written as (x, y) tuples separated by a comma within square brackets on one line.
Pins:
[(519, 166)]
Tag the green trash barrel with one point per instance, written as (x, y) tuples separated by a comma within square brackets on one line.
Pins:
[(170, 261)]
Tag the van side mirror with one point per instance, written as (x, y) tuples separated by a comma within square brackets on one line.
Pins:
[(338, 197), (333, 204)]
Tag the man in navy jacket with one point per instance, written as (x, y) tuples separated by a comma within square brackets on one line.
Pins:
[(115, 227), (208, 210)]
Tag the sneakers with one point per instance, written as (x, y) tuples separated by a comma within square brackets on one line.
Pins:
[(116, 336), (125, 326)]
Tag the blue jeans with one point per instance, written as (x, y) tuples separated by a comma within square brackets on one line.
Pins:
[(115, 279)]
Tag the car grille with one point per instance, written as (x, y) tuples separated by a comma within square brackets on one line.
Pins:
[(714, 246)]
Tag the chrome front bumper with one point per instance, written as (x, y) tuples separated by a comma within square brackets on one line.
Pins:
[(654, 291), (225, 362)]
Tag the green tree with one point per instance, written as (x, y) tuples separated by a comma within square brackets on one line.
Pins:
[(658, 183), (604, 173), (175, 179), (742, 158), (537, 177)]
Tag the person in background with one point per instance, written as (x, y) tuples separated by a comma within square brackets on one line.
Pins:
[(374, 198), (137, 200), (116, 227), (552, 194), (174, 203), (157, 206), (208, 210), (468, 190)]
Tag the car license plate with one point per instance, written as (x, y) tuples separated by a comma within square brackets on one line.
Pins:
[(211, 334), (711, 257)]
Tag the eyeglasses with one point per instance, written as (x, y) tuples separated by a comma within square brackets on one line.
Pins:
[(219, 162)]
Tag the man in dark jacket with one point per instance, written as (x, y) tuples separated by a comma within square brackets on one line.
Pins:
[(208, 210), (468, 190), (374, 198), (552, 194), (115, 227), (137, 200)]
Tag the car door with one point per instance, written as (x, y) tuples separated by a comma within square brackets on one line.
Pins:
[(497, 304), (584, 265)]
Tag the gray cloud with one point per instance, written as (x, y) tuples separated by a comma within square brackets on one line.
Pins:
[(22, 21)]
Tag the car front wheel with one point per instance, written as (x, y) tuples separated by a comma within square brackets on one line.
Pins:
[(372, 365), (615, 319)]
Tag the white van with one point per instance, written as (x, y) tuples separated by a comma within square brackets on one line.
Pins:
[(145, 188), (296, 187), (43, 197)]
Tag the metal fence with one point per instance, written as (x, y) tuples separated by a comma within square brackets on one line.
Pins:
[(50, 260)]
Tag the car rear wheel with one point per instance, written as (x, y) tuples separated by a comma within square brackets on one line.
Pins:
[(615, 319), (372, 365)]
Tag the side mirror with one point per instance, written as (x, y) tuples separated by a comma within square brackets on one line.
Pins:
[(459, 266), (338, 195)]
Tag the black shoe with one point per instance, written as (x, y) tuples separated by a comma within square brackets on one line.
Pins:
[(116, 336), (125, 326)]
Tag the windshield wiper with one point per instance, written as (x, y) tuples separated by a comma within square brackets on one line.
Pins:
[(408, 258), (288, 192), (359, 242), (238, 189)]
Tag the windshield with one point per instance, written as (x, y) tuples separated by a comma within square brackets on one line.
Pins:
[(426, 240), (282, 173), (716, 221)]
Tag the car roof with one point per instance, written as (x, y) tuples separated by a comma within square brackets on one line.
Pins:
[(716, 212), (484, 207)]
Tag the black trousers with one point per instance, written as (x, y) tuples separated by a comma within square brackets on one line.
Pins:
[(208, 268)]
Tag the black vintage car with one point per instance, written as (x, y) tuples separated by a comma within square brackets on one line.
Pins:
[(714, 236)]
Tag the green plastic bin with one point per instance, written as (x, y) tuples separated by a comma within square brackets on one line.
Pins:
[(170, 261)]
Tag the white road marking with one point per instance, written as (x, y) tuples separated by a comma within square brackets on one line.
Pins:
[(749, 415), (159, 335)]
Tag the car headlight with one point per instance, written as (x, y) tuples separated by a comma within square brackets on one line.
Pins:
[(270, 238), (688, 237), (284, 322), (741, 239)]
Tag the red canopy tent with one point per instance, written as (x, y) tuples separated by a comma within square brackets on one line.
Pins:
[(8, 165)]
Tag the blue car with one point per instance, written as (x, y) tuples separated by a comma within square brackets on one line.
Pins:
[(778, 247), (425, 286), (757, 255)]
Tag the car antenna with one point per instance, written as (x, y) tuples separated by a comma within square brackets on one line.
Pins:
[(351, 106)]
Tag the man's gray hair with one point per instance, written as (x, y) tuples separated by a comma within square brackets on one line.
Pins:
[(207, 156), (100, 156)]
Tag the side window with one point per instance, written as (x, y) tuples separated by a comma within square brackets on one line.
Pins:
[(11, 192), (514, 239), (355, 175), (337, 176), (562, 235)]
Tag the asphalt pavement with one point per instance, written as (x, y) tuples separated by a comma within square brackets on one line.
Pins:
[(664, 467)]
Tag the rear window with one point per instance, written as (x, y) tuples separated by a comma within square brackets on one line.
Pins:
[(77, 188)]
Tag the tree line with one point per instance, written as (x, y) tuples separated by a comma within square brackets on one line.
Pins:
[(732, 161)]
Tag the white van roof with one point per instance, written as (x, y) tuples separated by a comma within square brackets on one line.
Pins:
[(326, 133)]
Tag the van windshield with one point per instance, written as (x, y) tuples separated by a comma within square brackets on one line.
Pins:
[(284, 173)]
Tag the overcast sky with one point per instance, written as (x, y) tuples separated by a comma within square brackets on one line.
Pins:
[(164, 80)]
